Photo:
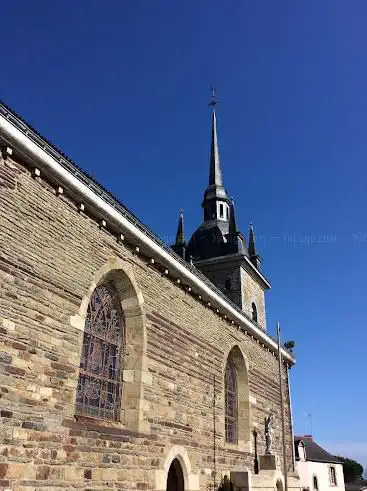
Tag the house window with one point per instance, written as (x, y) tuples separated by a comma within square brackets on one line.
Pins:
[(254, 312), (332, 476), (231, 403), (227, 284), (99, 385), (221, 212), (315, 484)]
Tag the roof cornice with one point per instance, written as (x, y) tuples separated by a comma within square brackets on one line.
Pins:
[(49, 159), (265, 283)]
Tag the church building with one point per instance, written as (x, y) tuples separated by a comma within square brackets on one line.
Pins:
[(125, 363)]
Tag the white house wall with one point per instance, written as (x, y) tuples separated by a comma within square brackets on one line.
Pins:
[(308, 469)]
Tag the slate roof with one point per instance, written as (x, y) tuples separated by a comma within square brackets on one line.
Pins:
[(313, 451)]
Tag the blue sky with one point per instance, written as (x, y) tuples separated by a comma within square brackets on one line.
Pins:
[(122, 87)]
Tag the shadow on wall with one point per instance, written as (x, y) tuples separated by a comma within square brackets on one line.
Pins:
[(225, 484)]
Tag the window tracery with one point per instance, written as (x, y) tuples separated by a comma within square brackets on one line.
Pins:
[(99, 384), (231, 403)]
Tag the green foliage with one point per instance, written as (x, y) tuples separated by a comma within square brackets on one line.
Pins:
[(353, 471), (290, 345)]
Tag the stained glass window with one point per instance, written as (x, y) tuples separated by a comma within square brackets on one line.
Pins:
[(231, 403), (99, 384)]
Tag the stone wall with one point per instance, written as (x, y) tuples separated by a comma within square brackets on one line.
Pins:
[(252, 292), (220, 273), (51, 257)]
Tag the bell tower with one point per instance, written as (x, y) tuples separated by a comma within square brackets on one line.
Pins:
[(219, 249)]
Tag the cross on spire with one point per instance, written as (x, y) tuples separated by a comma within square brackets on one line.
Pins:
[(214, 101)]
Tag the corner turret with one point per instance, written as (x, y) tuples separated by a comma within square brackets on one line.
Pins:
[(180, 244), (254, 257)]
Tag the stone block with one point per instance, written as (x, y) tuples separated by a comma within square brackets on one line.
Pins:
[(109, 474), (240, 480), (42, 472), (74, 473), (3, 470), (268, 462)]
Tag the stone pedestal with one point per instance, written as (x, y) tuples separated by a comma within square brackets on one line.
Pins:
[(240, 480), (268, 462), (270, 476)]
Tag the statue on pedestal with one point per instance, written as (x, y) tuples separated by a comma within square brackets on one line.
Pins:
[(269, 423)]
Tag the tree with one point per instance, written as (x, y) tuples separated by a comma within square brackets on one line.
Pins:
[(353, 471), (289, 345)]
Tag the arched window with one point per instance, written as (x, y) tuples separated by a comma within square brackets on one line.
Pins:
[(99, 384), (231, 403), (254, 312), (315, 483)]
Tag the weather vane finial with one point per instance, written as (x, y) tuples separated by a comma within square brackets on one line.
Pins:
[(214, 101)]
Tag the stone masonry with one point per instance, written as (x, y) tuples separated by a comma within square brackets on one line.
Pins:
[(52, 255)]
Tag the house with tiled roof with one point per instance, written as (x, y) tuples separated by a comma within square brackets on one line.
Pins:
[(317, 468)]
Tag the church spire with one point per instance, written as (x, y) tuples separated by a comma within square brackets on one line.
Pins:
[(215, 174), (216, 201), (254, 257)]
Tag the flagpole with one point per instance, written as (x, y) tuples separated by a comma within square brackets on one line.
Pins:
[(214, 441), (285, 468), (291, 418)]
